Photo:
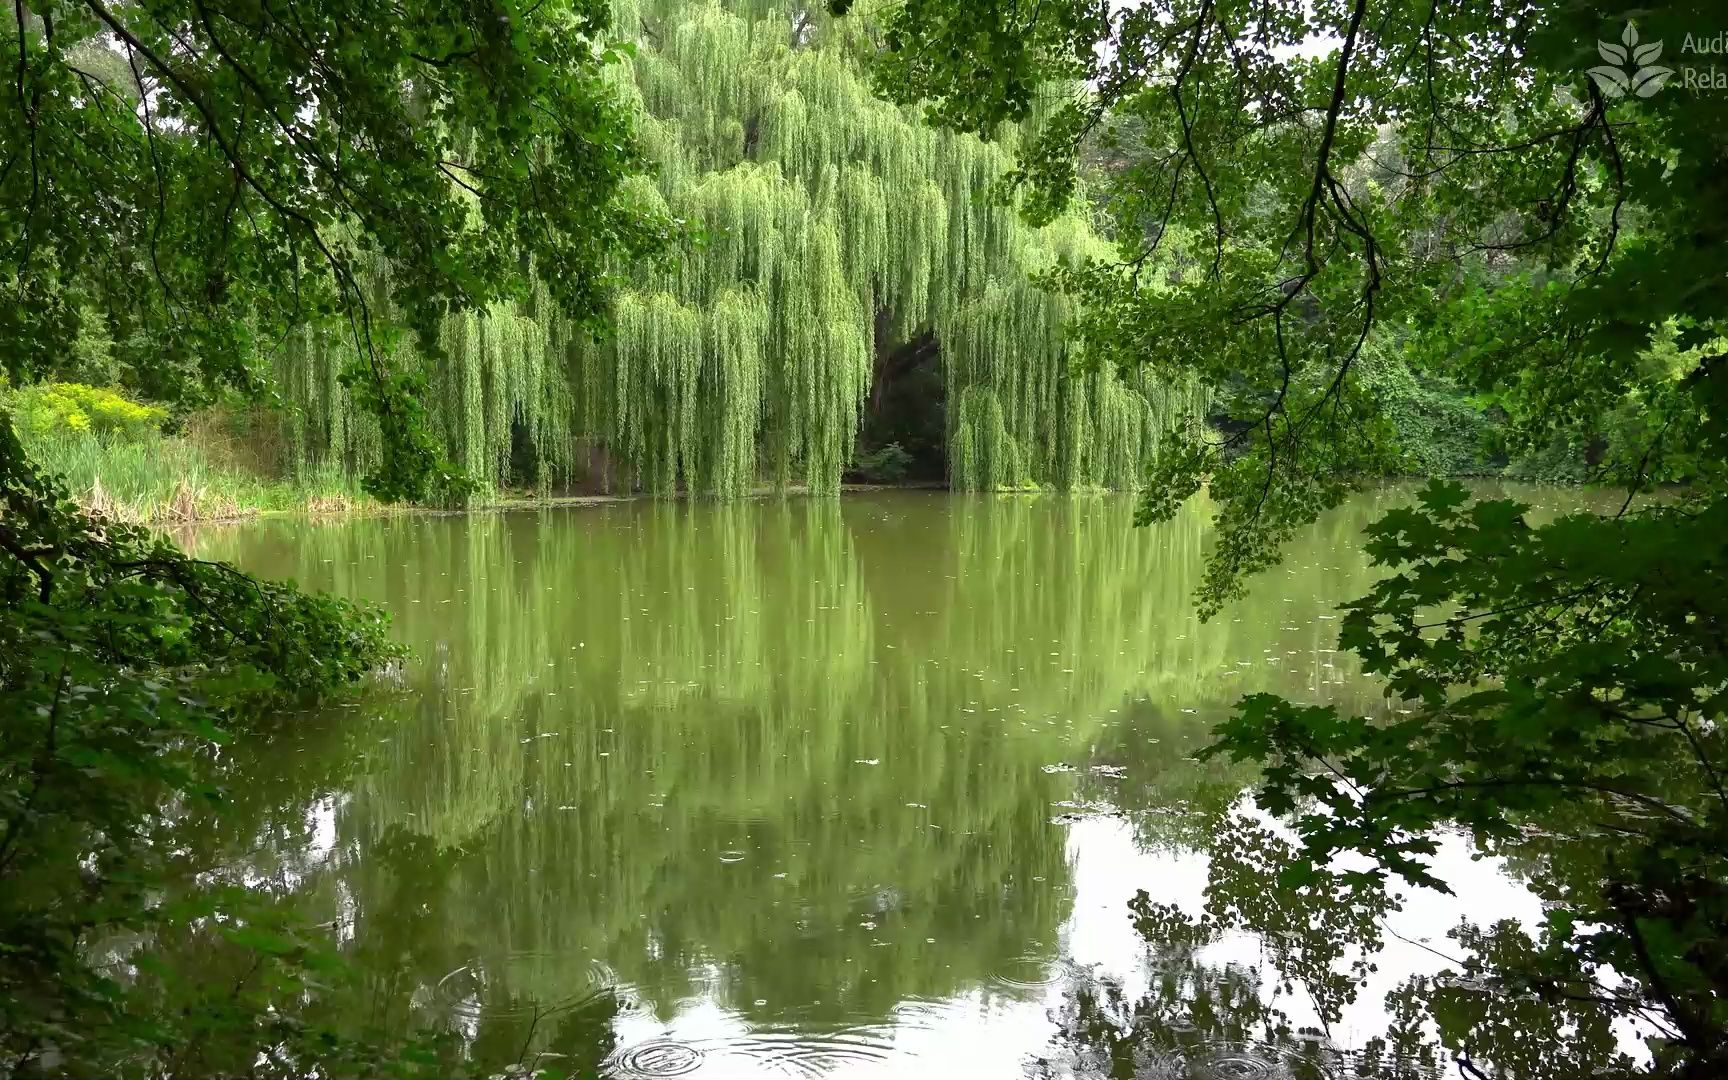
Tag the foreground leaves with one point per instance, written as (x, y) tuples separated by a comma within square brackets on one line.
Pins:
[(124, 667), (1561, 696)]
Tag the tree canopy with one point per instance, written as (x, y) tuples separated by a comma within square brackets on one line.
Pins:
[(199, 180)]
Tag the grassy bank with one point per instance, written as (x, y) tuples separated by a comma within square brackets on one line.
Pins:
[(185, 479), (173, 480), (118, 462)]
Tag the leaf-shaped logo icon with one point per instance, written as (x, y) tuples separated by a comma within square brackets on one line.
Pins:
[(1649, 80), (1611, 80), (1631, 67)]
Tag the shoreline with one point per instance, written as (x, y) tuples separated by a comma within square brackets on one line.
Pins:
[(516, 502), (524, 502)]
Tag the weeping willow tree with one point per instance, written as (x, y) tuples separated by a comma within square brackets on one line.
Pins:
[(832, 237)]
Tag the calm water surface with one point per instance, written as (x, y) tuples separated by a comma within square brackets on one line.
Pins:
[(793, 788)]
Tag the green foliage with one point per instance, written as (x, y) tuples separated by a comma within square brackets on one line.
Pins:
[(122, 662), (829, 230), (1269, 258), (884, 465), (1438, 430), (111, 453), (1605, 713), (73, 409), (174, 480), (202, 181), (410, 465)]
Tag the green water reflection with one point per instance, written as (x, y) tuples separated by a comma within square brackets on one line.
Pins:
[(802, 762)]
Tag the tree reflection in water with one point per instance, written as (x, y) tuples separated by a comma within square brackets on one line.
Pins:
[(1498, 1009)]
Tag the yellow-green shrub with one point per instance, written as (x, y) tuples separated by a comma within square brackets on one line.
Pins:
[(74, 408)]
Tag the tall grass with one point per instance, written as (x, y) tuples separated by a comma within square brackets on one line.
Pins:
[(164, 479)]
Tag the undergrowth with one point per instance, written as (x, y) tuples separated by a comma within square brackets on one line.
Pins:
[(113, 455)]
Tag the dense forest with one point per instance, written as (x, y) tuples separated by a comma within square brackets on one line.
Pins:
[(807, 204), (839, 267), (1199, 308)]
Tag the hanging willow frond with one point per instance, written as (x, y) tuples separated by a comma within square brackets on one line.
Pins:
[(833, 228)]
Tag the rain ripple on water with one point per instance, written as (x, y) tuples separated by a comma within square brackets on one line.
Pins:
[(764, 1053), (651, 1059)]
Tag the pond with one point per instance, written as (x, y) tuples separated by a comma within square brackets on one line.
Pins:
[(796, 787)]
